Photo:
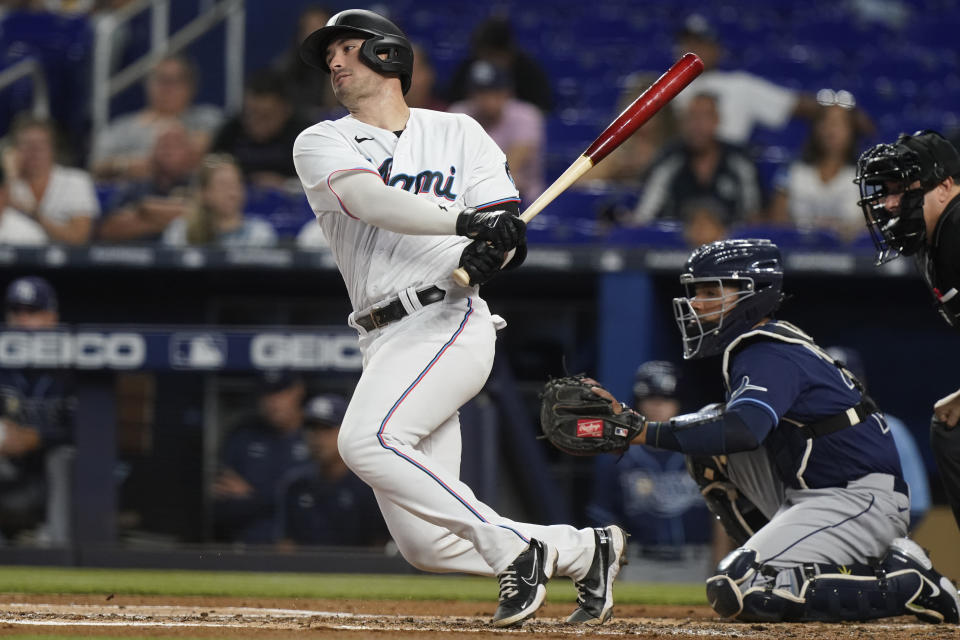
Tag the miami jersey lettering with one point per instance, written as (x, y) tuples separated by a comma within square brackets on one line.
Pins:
[(447, 158)]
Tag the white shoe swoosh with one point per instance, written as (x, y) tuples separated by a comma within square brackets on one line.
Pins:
[(532, 581)]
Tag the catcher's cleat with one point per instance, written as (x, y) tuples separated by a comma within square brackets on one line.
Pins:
[(523, 584), (595, 591), (937, 600)]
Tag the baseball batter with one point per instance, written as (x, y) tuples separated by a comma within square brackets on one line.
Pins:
[(800, 440), (404, 197)]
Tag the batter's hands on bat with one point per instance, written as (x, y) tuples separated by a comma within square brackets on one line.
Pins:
[(481, 261), (501, 228), (947, 409)]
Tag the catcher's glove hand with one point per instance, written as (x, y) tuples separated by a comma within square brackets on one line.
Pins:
[(578, 420)]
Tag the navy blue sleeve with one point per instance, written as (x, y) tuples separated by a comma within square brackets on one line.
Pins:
[(742, 428), (764, 384)]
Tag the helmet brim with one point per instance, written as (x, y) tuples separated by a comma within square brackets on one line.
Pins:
[(313, 50)]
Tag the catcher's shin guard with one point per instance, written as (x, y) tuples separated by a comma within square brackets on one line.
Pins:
[(903, 582), (746, 590), (740, 517)]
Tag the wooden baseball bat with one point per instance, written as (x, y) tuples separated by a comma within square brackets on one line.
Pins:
[(662, 91)]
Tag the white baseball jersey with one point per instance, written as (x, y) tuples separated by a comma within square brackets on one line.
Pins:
[(445, 157)]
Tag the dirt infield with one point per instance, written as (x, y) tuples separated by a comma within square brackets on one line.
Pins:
[(206, 617)]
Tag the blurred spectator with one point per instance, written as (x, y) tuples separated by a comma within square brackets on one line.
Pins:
[(144, 209), (62, 200), (256, 456), (261, 137), (704, 221), (744, 99), (423, 81), (15, 227), (36, 421), (911, 462), (628, 164), (324, 502), (310, 92), (493, 42), (517, 127), (122, 150), (215, 214), (700, 167), (649, 492), (818, 190)]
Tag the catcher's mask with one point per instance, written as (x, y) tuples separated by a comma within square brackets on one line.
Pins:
[(380, 37), (909, 168), (735, 283)]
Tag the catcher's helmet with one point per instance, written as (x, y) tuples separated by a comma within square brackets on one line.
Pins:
[(753, 267), (655, 378), (885, 170), (380, 37)]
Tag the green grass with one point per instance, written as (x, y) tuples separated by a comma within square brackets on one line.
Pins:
[(302, 585)]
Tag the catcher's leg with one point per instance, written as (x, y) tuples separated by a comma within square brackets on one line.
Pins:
[(740, 518), (903, 581), (814, 560)]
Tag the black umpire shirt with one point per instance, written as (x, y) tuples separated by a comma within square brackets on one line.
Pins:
[(940, 263)]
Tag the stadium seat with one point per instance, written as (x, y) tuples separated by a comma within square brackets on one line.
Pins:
[(663, 235), (285, 212)]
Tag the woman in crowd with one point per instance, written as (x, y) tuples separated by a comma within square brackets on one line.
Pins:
[(817, 191), (216, 215), (62, 200)]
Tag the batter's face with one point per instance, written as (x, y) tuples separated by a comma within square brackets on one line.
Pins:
[(713, 301), (352, 80)]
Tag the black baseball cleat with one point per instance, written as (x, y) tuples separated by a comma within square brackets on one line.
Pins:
[(523, 584), (937, 600), (595, 591)]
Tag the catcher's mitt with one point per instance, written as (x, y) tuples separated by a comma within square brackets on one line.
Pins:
[(580, 422)]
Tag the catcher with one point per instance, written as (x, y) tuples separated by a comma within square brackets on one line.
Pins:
[(798, 464)]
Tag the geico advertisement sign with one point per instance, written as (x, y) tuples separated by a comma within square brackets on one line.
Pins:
[(306, 351), (85, 350)]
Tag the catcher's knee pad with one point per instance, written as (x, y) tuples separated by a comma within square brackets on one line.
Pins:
[(740, 517), (739, 590), (747, 590)]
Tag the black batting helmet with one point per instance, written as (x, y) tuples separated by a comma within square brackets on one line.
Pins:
[(380, 37)]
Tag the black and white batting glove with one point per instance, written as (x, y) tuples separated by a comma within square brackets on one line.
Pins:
[(481, 261), (501, 228)]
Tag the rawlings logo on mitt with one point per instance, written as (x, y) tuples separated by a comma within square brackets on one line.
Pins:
[(577, 420)]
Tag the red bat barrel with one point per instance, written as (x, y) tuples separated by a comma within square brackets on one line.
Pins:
[(662, 91)]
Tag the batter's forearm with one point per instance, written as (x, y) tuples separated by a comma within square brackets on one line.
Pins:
[(364, 196)]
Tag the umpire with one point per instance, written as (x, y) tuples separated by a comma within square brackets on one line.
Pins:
[(909, 195)]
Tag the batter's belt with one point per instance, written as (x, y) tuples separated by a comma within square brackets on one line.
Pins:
[(381, 316)]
